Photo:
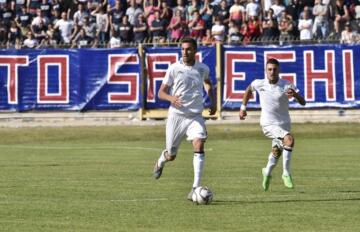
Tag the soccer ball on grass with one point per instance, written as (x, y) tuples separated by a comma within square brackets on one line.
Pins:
[(202, 196)]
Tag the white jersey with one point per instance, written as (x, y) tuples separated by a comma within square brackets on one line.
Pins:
[(187, 82), (274, 101)]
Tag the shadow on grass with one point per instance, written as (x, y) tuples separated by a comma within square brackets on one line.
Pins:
[(228, 202)]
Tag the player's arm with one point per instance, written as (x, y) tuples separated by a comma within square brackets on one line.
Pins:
[(163, 94), (297, 96), (246, 98), (209, 89)]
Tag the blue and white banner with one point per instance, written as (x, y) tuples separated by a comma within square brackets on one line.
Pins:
[(110, 79), (69, 79), (327, 75)]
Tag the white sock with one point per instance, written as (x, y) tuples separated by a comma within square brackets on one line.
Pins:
[(162, 159), (198, 163), (286, 161), (272, 161)]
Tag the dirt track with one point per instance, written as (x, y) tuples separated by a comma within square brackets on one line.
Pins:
[(56, 119)]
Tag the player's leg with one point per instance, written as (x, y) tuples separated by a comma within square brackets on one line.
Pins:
[(272, 161), (288, 144), (196, 133), (174, 133)]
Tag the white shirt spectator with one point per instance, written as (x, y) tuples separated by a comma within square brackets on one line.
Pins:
[(102, 22), (30, 43), (114, 42), (305, 28), (252, 9), (218, 32), (65, 28)]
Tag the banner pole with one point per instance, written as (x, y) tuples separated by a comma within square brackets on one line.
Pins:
[(143, 81), (218, 80)]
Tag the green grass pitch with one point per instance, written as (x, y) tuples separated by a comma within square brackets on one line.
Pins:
[(100, 179)]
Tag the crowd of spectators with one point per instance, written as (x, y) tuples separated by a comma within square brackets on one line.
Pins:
[(117, 23)]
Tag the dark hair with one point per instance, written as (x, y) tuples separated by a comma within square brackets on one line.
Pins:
[(273, 61), (189, 40)]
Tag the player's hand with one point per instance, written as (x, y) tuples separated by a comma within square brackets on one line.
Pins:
[(290, 92), (213, 109), (176, 101), (242, 114)]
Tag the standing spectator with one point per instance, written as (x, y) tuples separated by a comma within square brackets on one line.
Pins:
[(270, 27), (158, 28), (133, 11), (33, 6), (40, 19), (255, 29), (194, 6), (140, 29), (177, 26), (166, 12), (7, 15), (196, 26), (79, 16), (23, 20), (321, 20), (206, 12), (341, 15), (149, 11), (253, 9), (181, 6), (278, 7), (266, 4), (45, 7), (234, 35), (102, 24), (286, 28), (3, 33), (115, 16), (223, 12), (14, 36), (39, 31), (293, 10), (65, 26), (125, 30), (16, 5), (218, 30), (348, 36), (305, 26), (237, 13)]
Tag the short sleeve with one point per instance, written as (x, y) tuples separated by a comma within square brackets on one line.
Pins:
[(169, 76), (255, 84)]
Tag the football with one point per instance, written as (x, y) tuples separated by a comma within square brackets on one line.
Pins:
[(202, 196)]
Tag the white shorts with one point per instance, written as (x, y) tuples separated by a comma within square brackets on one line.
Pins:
[(276, 133), (177, 126)]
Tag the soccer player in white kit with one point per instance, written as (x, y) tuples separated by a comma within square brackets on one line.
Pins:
[(183, 87), (275, 119)]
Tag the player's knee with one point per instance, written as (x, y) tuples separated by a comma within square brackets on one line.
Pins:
[(289, 141), (276, 152), (198, 144)]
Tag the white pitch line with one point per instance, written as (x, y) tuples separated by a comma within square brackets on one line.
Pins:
[(139, 200), (87, 148)]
